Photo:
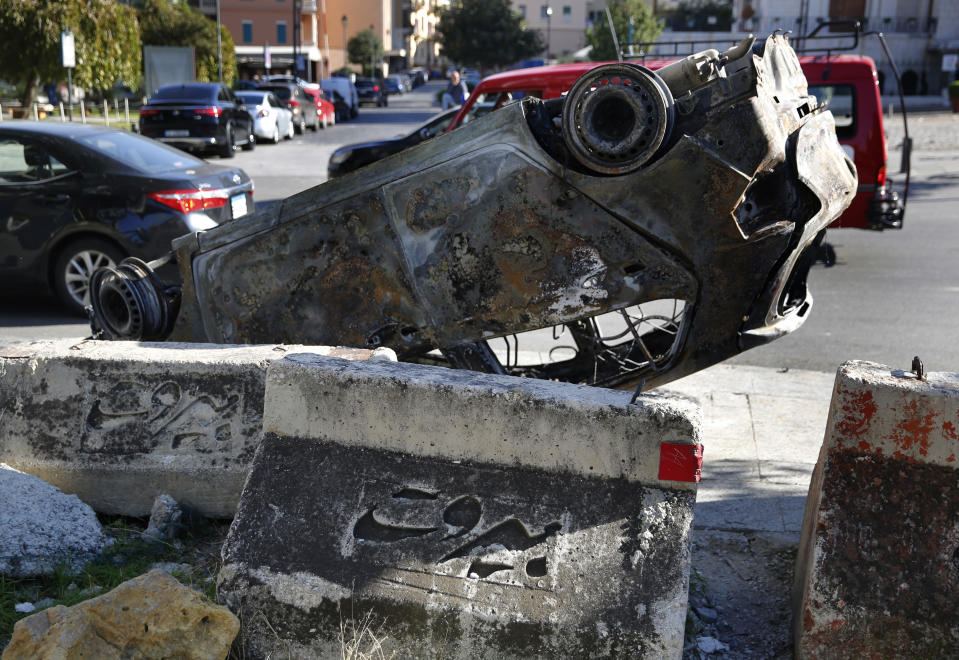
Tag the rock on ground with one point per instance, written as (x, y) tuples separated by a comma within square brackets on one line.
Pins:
[(152, 616), (165, 518), (41, 527)]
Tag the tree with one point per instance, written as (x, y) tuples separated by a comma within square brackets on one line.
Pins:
[(485, 34), (365, 49), (166, 23), (106, 36), (645, 28)]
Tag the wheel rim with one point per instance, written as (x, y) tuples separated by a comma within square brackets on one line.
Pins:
[(80, 269)]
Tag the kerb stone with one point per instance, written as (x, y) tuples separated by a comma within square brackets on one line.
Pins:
[(118, 423), (430, 512), (878, 567)]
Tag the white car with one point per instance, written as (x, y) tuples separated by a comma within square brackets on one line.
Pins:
[(271, 119)]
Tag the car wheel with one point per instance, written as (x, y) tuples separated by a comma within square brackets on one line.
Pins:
[(300, 126), (250, 142), (276, 134), (74, 267), (323, 123), (316, 124), (226, 151)]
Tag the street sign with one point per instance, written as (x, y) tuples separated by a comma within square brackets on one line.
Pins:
[(949, 62), (68, 53)]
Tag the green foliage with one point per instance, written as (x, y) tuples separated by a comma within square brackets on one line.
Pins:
[(106, 35), (166, 23), (485, 34), (365, 49), (645, 28), (695, 16)]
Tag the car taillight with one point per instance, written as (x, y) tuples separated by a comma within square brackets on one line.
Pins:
[(881, 176), (293, 104), (187, 201), (264, 112), (207, 112), (376, 88), (148, 112)]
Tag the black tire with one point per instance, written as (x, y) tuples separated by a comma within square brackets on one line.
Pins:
[(227, 150), (316, 123), (74, 265), (299, 126), (250, 142)]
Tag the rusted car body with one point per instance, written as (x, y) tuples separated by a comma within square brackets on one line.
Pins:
[(653, 223)]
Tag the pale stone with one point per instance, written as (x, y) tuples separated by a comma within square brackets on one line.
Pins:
[(152, 616)]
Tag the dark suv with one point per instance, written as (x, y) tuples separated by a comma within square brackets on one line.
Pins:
[(299, 102), (371, 91), (198, 117)]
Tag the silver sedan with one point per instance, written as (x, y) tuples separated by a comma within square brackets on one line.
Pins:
[(271, 119)]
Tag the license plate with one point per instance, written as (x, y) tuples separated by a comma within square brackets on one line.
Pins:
[(238, 205), (177, 133)]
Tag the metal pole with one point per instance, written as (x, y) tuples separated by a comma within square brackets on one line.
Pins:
[(126, 111), (219, 44), (106, 112), (36, 114), (62, 118), (549, 28), (83, 112), (70, 91)]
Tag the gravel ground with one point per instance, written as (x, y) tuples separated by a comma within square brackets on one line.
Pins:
[(930, 131)]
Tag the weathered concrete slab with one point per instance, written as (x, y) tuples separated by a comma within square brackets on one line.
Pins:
[(459, 515), (119, 423), (41, 528), (878, 566)]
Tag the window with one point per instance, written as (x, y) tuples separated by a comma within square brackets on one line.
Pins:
[(25, 163), (247, 32), (281, 32), (841, 101), (522, 11), (567, 13), (544, 11)]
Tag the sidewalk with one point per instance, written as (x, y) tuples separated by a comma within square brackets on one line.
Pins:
[(762, 432)]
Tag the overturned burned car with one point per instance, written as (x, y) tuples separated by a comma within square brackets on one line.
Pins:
[(650, 224)]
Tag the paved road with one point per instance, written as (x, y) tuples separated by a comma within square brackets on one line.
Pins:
[(890, 296)]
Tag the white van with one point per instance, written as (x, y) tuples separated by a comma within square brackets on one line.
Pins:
[(345, 88)]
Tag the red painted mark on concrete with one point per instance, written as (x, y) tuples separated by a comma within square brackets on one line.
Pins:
[(680, 462), (858, 409), (914, 429)]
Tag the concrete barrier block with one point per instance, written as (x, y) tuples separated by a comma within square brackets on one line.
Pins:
[(459, 515), (118, 423), (878, 566)]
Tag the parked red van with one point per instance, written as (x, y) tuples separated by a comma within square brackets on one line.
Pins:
[(848, 83)]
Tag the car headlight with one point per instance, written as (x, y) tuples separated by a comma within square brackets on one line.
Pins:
[(339, 156)]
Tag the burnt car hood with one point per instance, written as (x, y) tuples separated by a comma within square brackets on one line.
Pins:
[(703, 187)]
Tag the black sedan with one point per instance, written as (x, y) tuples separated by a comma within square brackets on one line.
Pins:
[(76, 197), (371, 91), (198, 117), (353, 156)]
